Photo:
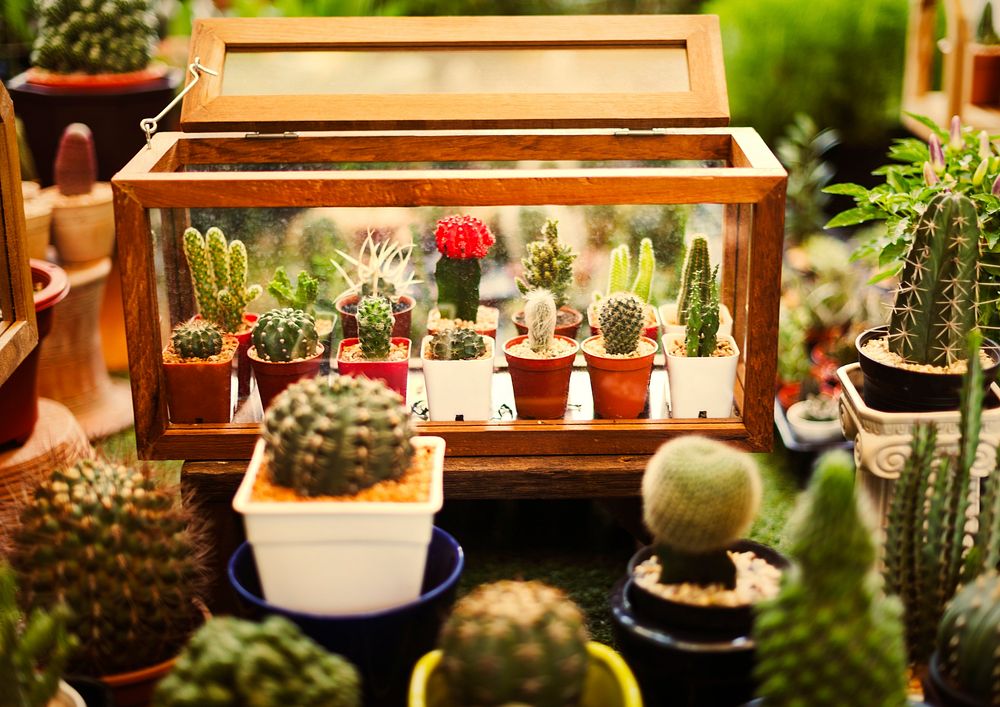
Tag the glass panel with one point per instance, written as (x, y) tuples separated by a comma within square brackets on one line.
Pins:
[(515, 70)]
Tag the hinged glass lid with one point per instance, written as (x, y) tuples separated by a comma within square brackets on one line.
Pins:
[(457, 72)]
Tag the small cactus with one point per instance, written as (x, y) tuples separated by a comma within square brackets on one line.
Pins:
[(219, 277), (334, 437), (283, 335), (196, 339), (457, 345), (548, 265), (701, 333), (462, 241), (968, 641), (540, 319), (620, 278), (375, 320), (233, 663), (695, 261), (75, 169), (622, 317), (515, 642), (698, 497), (301, 296)]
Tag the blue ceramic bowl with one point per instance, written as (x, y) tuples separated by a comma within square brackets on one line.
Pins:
[(384, 645)]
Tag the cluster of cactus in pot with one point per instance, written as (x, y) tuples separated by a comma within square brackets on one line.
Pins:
[(829, 637), (197, 338), (118, 550), (460, 344), (375, 321), (462, 241), (219, 276), (512, 643), (622, 317), (231, 663), (968, 641), (283, 335), (701, 328), (540, 318), (621, 277), (548, 265)]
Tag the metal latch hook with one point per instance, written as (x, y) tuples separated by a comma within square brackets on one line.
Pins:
[(148, 125)]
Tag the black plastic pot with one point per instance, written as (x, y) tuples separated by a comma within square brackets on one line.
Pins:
[(939, 692), (892, 389)]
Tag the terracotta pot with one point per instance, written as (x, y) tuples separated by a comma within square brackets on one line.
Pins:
[(135, 689), (568, 330), (392, 373), (243, 366), (541, 385), (650, 332), (83, 225), (274, 376), (200, 391), (620, 385), (400, 327)]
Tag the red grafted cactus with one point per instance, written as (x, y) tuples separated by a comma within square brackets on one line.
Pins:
[(463, 237), (462, 240), (76, 161)]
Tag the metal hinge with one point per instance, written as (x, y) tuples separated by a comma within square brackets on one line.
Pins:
[(271, 136), (622, 132)]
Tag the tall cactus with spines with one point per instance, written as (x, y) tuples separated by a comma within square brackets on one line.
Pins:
[(118, 550), (698, 497), (642, 286), (197, 338), (702, 328), (375, 320), (829, 638), (457, 345), (540, 319), (283, 335), (621, 317), (515, 642), (219, 276), (300, 296), (695, 261), (620, 277), (75, 168), (935, 307), (233, 663), (968, 640), (620, 271), (548, 265), (330, 437), (33, 650)]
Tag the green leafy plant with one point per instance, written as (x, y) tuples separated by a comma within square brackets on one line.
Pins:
[(375, 322), (548, 264), (197, 338), (801, 151), (283, 335), (793, 361), (300, 296), (457, 345), (968, 640), (219, 276), (621, 317)]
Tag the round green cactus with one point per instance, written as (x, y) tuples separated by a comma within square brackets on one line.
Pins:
[(515, 642), (232, 663), (197, 338), (621, 317), (375, 320), (457, 345), (540, 318), (969, 639), (287, 334), (698, 496), (117, 549), (338, 436)]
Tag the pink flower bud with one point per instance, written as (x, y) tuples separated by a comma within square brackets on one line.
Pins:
[(996, 186), (955, 140), (937, 154), (929, 175), (980, 173)]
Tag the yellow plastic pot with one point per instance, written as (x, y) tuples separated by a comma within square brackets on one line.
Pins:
[(610, 683)]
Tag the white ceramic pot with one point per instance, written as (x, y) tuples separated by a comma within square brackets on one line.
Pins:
[(701, 386), (329, 557), (668, 319), (83, 226), (815, 431), (459, 389), (66, 697)]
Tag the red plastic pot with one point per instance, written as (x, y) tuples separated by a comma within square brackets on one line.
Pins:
[(568, 330), (349, 323), (392, 373), (200, 391), (274, 376), (541, 385), (619, 385), (243, 367), (19, 392)]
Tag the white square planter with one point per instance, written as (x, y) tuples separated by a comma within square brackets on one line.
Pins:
[(702, 386), (459, 389), (668, 320), (340, 557)]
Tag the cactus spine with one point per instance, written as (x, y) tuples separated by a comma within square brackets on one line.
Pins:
[(968, 641), (231, 663), (936, 300), (219, 276), (698, 497), (829, 635), (457, 345), (702, 328), (540, 318), (335, 437), (696, 261), (515, 642), (548, 265), (300, 296), (75, 169), (621, 317), (197, 338), (283, 335), (375, 320)]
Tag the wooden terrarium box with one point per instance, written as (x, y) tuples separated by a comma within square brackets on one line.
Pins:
[(327, 130)]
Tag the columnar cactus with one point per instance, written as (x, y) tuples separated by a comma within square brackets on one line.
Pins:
[(232, 663), (540, 318), (286, 334), (548, 264), (334, 437), (197, 338), (462, 241), (515, 642), (698, 497), (457, 345), (114, 547), (75, 169), (936, 300), (702, 328), (620, 278), (968, 640), (375, 320), (219, 276), (94, 36), (301, 296), (622, 317), (829, 637), (695, 261)]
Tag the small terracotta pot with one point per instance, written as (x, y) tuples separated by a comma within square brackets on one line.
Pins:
[(243, 367), (392, 373), (568, 330), (620, 385), (200, 391), (650, 332), (135, 689), (274, 376), (349, 323), (541, 385)]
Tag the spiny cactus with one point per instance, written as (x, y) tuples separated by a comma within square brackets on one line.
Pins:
[(829, 638), (702, 328), (375, 320), (620, 278), (94, 36), (33, 650), (540, 318), (286, 334), (457, 345), (548, 264), (968, 641), (219, 276), (695, 261), (196, 339), (622, 317), (301, 296), (337, 436), (381, 268), (936, 300), (75, 168), (698, 497), (462, 241), (232, 663), (514, 642), (118, 551)]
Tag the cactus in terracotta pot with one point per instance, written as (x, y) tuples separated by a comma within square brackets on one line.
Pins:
[(375, 320), (283, 335), (548, 265), (197, 338), (622, 318), (540, 318), (968, 640), (219, 276), (75, 169), (462, 241), (457, 345)]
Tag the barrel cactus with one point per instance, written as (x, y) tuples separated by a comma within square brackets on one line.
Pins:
[(232, 663), (702, 328), (117, 549), (375, 320), (330, 437), (968, 641), (457, 345), (540, 318), (698, 496), (197, 338), (515, 642), (462, 241), (548, 264), (622, 317), (283, 335), (695, 261), (219, 277), (75, 168)]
